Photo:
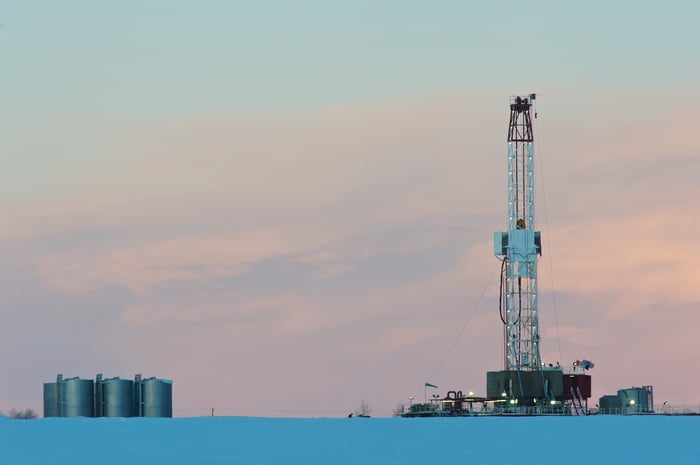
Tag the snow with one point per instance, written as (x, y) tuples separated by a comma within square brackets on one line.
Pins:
[(330, 441)]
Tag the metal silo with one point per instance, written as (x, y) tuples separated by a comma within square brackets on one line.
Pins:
[(77, 398), (117, 397), (51, 399), (610, 405), (637, 399), (155, 397)]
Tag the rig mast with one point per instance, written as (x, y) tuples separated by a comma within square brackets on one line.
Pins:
[(525, 385), (519, 246), (525, 381)]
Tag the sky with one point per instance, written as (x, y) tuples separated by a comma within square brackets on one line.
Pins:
[(288, 207)]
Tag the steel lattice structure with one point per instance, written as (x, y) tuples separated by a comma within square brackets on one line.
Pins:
[(519, 247)]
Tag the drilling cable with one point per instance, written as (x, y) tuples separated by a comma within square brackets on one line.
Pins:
[(501, 292), (466, 323), (502, 311), (547, 235)]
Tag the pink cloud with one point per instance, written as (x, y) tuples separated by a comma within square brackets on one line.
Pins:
[(192, 202)]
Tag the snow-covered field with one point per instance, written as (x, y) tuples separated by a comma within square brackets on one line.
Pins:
[(328, 441)]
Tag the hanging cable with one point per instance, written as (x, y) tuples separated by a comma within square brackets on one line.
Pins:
[(501, 293), (466, 323), (547, 235), (502, 296)]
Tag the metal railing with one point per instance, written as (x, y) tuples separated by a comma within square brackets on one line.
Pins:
[(668, 409), (433, 410), (491, 409), (663, 409)]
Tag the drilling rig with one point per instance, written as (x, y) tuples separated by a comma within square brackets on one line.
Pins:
[(526, 385), (525, 380)]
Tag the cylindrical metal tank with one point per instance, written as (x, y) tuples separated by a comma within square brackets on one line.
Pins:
[(77, 398), (643, 397), (156, 398), (118, 397), (51, 400), (636, 400), (610, 405)]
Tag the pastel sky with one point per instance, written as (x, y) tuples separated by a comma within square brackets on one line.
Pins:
[(288, 207)]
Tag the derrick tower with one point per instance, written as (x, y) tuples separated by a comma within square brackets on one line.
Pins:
[(519, 246), (524, 380)]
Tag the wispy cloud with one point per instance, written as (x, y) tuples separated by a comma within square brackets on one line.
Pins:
[(327, 239)]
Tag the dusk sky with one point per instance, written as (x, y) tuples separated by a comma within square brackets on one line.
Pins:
[(288, 207)]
